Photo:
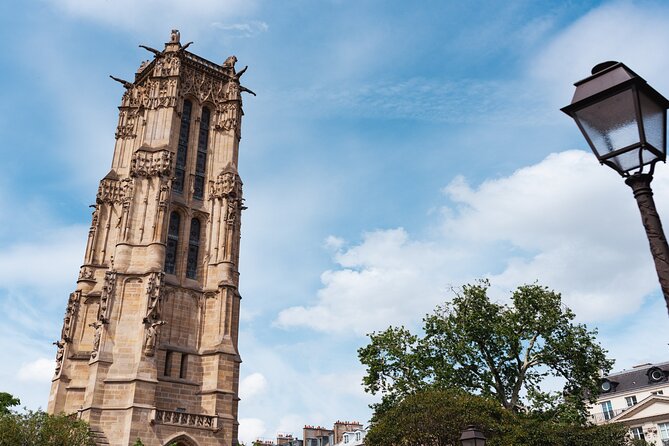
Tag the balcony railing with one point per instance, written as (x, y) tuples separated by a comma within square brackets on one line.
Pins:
[(602, 417), (185, 419)]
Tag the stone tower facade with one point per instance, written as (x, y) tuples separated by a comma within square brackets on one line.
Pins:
[(148, 347)]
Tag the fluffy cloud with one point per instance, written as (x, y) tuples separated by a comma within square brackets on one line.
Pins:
[(252, 385), (618, 31), (40, 370), (566, 222), (251, 429)]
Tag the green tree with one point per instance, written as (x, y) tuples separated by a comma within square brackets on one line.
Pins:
[(7, 400), (436, 418), (41, 429), (491, 349)]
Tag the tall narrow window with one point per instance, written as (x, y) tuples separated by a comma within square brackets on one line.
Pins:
[(184, 366), (172, 243), (193, 249), (168, 363), (201, 162), (182, 149)]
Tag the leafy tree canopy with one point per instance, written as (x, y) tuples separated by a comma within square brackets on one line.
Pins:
[(41, 429), (7, 400), (494, 350), (436, 418)]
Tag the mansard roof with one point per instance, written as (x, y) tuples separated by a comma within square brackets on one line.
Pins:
[(637, 378)]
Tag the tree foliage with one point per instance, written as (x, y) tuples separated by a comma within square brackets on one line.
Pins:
[(499, 351), (437, 417), (7, 401), (41, 429)]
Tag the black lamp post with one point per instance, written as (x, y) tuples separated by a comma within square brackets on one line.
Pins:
[(624, 121), (471, 436)]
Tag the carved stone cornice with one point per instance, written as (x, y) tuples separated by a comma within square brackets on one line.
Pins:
[(109, 191), (146, 163), (228, 185)]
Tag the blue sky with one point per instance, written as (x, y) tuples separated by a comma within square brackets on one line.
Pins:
[(395, 149)]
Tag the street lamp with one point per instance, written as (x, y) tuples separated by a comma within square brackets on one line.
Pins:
[(624, 120), (471, 436)]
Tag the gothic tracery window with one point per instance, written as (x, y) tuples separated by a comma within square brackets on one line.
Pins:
[(201, 161), (182, 149), (172, 243), (193, 249)]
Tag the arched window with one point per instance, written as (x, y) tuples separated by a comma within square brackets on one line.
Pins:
[(193, 249), (172, 243), (201, 163), (182, 149)]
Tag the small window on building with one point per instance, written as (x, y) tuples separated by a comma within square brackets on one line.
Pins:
[(637, 433), (201, 161), (171, 249), (657, 392), (607, 410), (630, 400), (182, 148), (357, 436), (183, 370), (168, 363), (193, 249), (664, 431), (345, 438)]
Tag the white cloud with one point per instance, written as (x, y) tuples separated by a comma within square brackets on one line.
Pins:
[(39, 370), (252, 385), (620, 31), (566, 222), (54, 257), (251, 429), (246, 29)]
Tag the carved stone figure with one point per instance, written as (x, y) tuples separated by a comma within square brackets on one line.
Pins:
[(230, 62), (59, 355), (175, 36), (97, 326), (151, 336), (70, 315), (153, 292)]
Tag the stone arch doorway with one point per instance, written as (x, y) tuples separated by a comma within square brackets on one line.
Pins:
[(181, 440)]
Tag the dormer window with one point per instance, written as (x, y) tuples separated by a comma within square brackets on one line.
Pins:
[(605, 386), (656, 374)]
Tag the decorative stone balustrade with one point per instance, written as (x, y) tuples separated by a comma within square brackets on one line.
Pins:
[(185, 419)]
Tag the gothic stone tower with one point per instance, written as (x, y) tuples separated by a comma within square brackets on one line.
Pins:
[(148, 347)]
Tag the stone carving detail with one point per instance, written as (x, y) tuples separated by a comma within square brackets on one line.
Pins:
[(152, 322), (154, 93), (59, 355), (185, 419), (227, 185), (154, 295), (110, 191), (97, 326), (145, 163), (228, 117), (86, 273), (167, 65), (151, 336), (127, 124), (106, 296), (70, 316)]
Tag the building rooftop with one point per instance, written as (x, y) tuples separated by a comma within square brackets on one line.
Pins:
[(641, 376)]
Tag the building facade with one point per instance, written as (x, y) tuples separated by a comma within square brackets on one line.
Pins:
[(148, 347), (638, 398)]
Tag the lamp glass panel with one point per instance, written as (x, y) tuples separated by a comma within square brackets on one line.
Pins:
[(653, 122), (611, 123), (629, 160)]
